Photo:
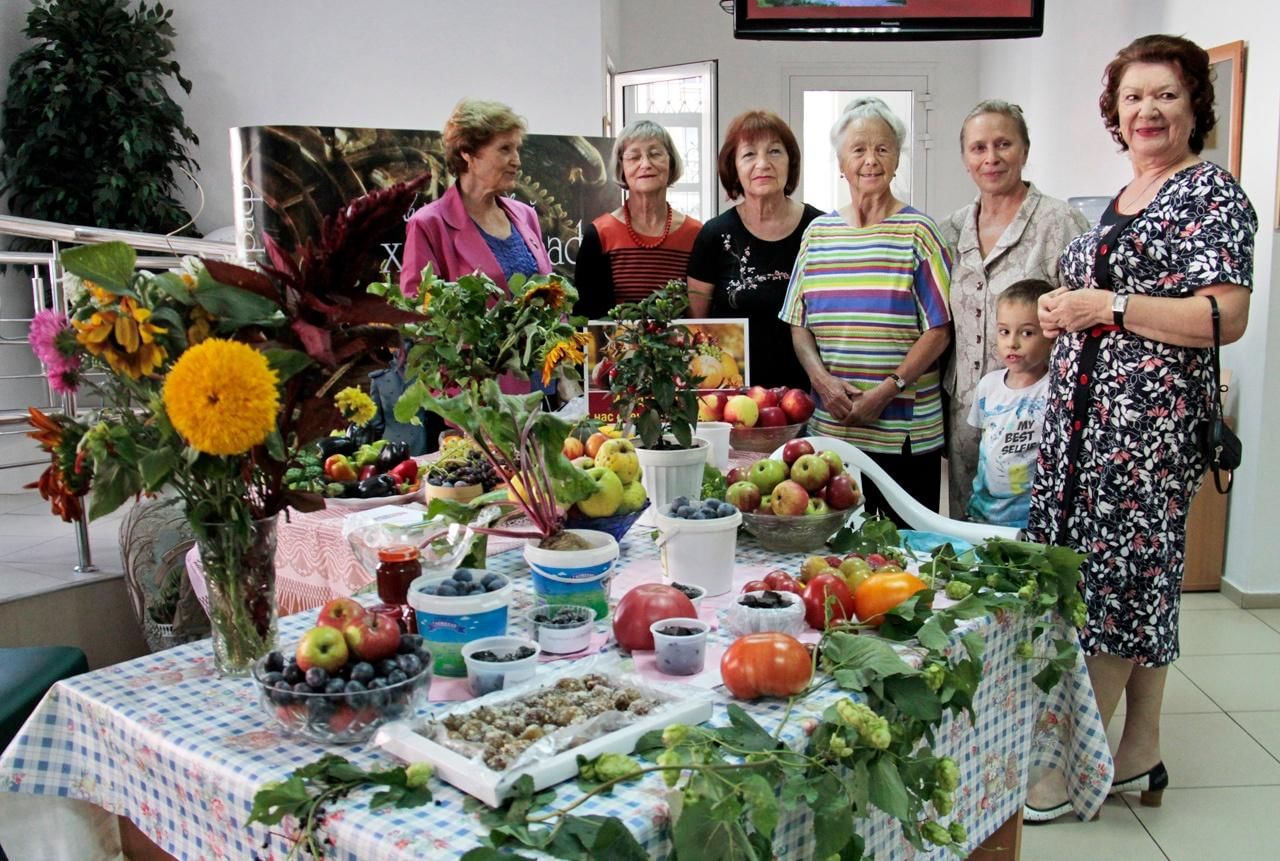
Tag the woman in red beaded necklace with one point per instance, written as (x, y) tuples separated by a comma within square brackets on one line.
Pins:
[(627, 254)]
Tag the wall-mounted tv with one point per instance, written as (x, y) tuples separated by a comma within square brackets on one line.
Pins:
[(827, 20)]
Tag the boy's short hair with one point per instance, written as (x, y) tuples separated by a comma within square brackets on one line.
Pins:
[(1028, 290)]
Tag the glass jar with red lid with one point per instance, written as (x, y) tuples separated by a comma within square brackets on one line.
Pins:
[(398, 566)]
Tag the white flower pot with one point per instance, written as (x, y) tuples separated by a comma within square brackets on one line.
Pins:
[(668, 473)]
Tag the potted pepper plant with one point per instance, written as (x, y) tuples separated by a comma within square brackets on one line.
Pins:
[(655, 393)]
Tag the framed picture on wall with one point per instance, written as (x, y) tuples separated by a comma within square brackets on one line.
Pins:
[(1222, 145)]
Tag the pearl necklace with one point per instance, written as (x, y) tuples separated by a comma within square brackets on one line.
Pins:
[(635, 237)]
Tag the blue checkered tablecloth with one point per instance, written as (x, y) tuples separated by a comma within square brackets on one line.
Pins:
[(180, 752)]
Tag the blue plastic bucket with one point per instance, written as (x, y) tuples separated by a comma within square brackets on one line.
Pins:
[(448, 623), (575, 576)]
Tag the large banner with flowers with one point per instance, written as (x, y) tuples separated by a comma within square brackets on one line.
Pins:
[(290, 178)]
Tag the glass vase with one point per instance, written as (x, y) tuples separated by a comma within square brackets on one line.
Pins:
[(240, 569)]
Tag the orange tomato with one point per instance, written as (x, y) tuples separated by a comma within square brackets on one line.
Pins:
[(766, 665), (883, 591)]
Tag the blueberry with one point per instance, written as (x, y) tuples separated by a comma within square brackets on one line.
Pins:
[(680, 502), (302, 688), (409, 643), (430, 590), (728, 509), (336, 686), (293, 673), (362, 672), (489, 578), (275, 662), (494, 586), (376, 683), (685, 511), (387, 667), (424, 655), (319, 708), (356, 696), (700, 514), (410, 664), (270, 679), (317, 678), (282, 693), (396, 677), (462, 576), (447, 589), (377, 698)]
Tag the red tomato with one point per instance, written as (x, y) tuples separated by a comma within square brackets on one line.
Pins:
[(876, 560), (884, 591), (766, 665), (755, 586), (641, 607), (815, 601), (781, 581)]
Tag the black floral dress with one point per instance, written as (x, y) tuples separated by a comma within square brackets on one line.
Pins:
[(1119, 463)]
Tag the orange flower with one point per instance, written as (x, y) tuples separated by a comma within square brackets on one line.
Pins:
[(125, 337)]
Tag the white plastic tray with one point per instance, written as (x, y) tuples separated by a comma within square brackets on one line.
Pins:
[(687, 705)]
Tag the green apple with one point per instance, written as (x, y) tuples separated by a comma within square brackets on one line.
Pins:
[(620, 456), (767, 474), (816, 507), (322, 647), (608, 496), (633, 497)]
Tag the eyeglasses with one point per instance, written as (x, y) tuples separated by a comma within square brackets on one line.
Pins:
[(654, 156)]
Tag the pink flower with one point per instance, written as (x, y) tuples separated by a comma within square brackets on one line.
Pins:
[(53, 341)]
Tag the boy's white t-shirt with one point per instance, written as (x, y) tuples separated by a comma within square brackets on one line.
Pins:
[(1012, 422)]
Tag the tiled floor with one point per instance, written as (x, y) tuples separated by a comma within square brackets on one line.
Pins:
[(1220, 738), (1221, 727)]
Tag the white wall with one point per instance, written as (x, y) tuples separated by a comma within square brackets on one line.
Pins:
[(1057, 80), (752, 73)]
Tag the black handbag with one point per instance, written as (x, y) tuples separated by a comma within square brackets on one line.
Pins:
[(1219, 442)]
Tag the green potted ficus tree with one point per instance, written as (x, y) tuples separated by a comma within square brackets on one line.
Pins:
[(655, 395)]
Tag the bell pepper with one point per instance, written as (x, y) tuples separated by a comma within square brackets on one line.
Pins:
[(339, 468), (367, 470), (405, 472)]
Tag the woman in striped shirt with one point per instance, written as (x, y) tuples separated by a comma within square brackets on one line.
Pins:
[(868, 308), (636, 249)]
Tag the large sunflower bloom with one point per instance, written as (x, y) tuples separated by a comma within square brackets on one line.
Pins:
[(125, 337), (551, 292), (571, 349), (221, 396)]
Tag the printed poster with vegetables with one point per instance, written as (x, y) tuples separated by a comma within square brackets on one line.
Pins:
[(723, 360)]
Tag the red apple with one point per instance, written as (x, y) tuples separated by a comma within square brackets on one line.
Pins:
[(778, 392), (794, 448), (323, 647), (789, 498), (762, 396), (711, 407), (573, 448), (340, 612), (834, 561), (744, 495), (797, 405), (821, 492), (833, 460), (737, 474), (742, 411), (810, 472), (842, 492), (772, 417), (372, 638)]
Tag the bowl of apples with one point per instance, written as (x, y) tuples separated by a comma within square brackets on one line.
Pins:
[(350, 674), (762, 419), (795, 503)]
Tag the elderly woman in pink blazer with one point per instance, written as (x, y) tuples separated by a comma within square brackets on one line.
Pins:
[(472, 226)]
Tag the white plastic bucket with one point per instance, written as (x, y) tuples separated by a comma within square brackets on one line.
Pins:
[(448, 623), (699, 552)]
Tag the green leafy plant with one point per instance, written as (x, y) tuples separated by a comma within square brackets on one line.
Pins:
[(90, 133), (305, 794), (652, 387)]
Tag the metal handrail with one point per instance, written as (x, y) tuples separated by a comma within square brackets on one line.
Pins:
[(34, 228)]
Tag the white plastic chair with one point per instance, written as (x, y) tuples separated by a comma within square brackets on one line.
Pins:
[(903, 504)]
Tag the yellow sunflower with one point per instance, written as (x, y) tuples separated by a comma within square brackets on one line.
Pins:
[(551, 292), (355, 406), (124, 337), (221, 396), (571, 349), (201, 324)]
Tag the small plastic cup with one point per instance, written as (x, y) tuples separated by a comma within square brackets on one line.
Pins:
[(485, 677), (682, 654), (717, 436)]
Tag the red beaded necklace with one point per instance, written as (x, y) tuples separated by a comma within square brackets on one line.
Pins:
[(635, 237)]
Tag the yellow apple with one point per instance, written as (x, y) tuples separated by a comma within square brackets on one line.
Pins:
[(608, 496), (619, 455)]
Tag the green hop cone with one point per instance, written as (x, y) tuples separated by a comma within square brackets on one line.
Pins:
[(853, 714), (943, 801), (934, 676), (947, 774), (839, 747), (675, 734), (1025, 650), (958, 589), (936, 834), (958, 834), (992, 580), (417, 774), (878, 734), (615, 766), (671, 762), (1028, 592), (1079, 615)]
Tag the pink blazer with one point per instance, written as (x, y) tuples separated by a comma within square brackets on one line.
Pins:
[(443, 234)]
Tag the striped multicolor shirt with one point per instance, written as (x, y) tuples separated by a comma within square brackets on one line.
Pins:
[(867, 294)]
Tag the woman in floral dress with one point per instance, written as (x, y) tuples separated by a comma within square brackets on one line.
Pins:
[(1130, 385)]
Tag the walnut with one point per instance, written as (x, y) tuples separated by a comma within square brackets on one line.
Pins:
[(532, 733), (571, 684)]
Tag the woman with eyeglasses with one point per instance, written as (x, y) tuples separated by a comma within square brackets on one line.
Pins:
[(636, 249)]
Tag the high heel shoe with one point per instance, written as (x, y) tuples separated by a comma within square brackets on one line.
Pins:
[(1151, 784)]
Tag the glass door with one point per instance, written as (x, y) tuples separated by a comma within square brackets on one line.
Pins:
[(681, 99)]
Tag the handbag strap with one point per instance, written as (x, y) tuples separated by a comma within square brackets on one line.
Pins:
[(1217, 341)]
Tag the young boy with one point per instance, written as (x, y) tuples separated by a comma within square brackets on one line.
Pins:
[(1009, 408)]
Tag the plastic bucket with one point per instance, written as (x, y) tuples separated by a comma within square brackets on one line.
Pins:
[(575, 576), (699, 552), (449, 623)]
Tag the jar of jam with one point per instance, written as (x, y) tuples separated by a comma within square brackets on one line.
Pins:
[(398, 566)]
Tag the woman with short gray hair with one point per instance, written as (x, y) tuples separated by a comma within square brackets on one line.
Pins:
[(1010, 232), (629, 253)]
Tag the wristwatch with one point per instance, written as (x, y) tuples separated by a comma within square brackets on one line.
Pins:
[(897, 381), (1118, 305)]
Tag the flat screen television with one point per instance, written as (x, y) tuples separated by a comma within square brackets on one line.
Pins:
[(868, 20)]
